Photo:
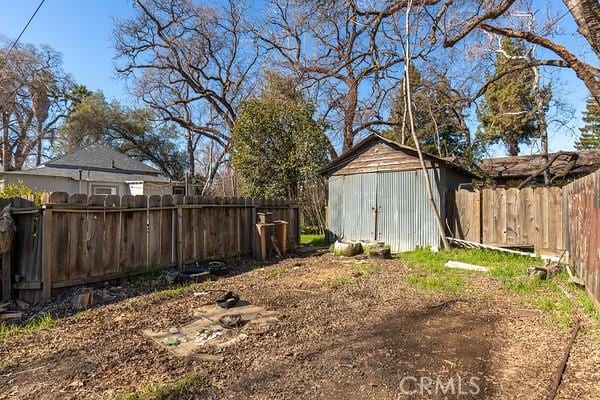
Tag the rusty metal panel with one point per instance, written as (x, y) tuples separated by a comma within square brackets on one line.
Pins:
[(582, 198), (405, 220)]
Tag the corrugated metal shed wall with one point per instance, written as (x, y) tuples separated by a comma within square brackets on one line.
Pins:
[(404, 218)]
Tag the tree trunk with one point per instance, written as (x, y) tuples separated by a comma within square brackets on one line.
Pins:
[(6, 156), (541, 117), (513, 148), (349, 117), (190, 154), (38, 156), (587, 16), (434, 208)]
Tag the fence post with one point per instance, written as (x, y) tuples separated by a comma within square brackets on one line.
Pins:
[(253, 225), (7, 276), (179, 235), (47, 253)]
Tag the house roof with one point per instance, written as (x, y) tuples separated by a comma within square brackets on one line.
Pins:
[(97, 157), (520, 167), (94, 175), (373, 139)]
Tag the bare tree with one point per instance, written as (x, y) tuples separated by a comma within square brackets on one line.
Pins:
[(192, 64), (33, 100), (586, 14), (343, 54)]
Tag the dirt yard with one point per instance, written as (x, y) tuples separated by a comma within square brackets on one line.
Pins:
[(347, 329)]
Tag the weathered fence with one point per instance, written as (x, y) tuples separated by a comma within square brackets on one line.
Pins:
[(508, 217), (79, 239), (582, 226)]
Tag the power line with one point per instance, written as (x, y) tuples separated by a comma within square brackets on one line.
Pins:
[(25, 28)]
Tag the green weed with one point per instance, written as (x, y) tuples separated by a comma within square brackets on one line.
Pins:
[(34, 324), (447, 283), (366, 269), (313, 240), (340, 281), (167, 391), (275, 271)]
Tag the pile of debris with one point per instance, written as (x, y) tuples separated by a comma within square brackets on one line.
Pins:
[(215, 327), (351, 248)]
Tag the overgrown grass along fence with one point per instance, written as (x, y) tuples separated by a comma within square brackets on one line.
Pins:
[(550, 220), (508, 217), (79, 239)]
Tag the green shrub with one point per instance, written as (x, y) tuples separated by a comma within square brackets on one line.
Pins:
[(19, 189)]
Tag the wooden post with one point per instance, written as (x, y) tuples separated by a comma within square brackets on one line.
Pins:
[(255, 252), (180, 238), (47, 247), (7, 276)]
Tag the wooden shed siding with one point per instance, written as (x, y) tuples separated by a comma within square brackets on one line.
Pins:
[(381, 158)]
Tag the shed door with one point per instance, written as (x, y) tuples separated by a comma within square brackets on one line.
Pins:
[(404, 218), (352, 200)]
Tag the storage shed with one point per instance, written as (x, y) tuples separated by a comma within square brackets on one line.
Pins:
[(377, 192)]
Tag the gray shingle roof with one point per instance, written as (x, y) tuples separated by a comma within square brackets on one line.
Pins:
[(99, 157), (99, 176)]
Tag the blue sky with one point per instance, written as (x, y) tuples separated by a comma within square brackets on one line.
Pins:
[(81, 30)]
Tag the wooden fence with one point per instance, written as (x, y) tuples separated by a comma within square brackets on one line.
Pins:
[(528, 217), (582, 227), (79, 239)]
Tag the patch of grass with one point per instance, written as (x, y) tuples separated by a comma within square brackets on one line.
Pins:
[(34, 324), (275, 271), (313, 240), (180, 290), (587, 305), (500, 264), (366, 269), (448, 283), (167, 391), (559, 309), (146, 277), (339, 281)]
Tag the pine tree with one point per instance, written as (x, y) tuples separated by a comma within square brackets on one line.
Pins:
[(507, 115), (590, 131), (437, 119)]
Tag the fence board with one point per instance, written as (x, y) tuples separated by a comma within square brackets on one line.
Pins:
[(96, 238), (509, 217)]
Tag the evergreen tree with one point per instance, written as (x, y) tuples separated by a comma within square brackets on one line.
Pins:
[(437, 116), (277, 144), (590, 132), (507, 114)]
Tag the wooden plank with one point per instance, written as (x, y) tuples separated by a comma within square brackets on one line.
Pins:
[(154, 231), (7, 276), (180, 238), (48, 246), (166, 234), (127, 232), (512, 228), (95, 237), (112, 236), (500, 215)]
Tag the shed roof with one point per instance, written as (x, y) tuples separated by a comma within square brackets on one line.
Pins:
[(374, 139), (520, 167)]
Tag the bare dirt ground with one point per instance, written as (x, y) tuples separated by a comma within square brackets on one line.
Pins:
[(342, 334)]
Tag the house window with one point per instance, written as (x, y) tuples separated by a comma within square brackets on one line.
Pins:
[(105, 190), (178, 190)]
